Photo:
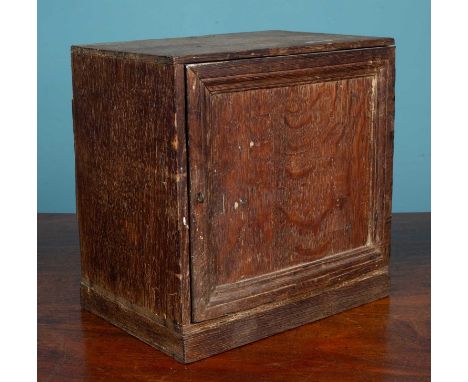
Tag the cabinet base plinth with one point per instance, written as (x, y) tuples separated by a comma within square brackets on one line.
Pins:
[(200, 340)]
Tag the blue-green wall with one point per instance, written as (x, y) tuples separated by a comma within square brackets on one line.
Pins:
[(64, 22)]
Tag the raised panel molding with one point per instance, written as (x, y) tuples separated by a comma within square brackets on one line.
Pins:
[(223, 285)]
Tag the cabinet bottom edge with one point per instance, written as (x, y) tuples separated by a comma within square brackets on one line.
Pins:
[(204, 341)]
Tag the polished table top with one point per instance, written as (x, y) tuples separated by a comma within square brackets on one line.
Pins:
[(387, 340)]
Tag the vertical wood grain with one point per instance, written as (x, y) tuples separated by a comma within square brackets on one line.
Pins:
[(128, 183)]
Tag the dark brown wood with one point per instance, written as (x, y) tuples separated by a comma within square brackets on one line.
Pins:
[(130, 183), (292, 174), (388, 339), (236, 45), (223, 202)]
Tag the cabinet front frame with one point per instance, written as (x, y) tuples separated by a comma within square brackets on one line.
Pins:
[(210, 300)]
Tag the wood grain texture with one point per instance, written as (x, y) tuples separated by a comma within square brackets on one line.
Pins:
[(222, 202), (287, 153), (387, 340), (291, 175), (236, 45), (212, 337), (128, 170)]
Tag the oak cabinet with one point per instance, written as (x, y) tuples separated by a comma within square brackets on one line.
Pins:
[(230, 187)]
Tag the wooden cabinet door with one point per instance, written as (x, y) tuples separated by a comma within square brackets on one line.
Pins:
[(290, 175)]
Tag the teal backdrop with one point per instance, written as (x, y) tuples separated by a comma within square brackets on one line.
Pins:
[(62, 23)]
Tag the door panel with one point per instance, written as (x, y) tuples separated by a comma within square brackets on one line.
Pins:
[(283, 170)]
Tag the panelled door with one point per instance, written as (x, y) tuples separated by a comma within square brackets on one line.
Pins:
[(287, 159)]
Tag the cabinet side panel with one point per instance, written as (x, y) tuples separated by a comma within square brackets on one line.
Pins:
[(126, 181)]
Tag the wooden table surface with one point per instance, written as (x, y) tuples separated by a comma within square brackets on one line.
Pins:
[(387, 340)]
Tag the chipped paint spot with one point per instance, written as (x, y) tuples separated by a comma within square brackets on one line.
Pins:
[(184, 221), (251, 144), (236, 205)]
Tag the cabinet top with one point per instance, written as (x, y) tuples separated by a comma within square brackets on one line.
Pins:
[(237, 45)]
